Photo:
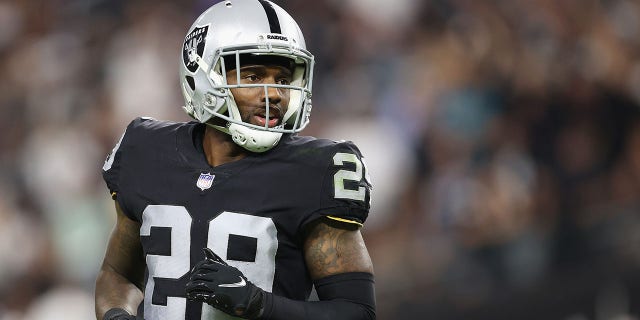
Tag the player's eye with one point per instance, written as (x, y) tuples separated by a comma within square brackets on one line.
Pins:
[(251, 77), (284, 81)]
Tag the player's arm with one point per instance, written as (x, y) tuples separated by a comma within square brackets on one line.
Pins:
[(120, 279), (339, 263), (331, 250)]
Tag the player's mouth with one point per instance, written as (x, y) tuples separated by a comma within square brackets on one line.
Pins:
[(260, 119)]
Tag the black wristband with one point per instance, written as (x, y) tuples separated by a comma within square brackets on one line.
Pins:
[(114, 313)]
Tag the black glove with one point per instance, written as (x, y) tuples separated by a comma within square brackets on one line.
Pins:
[(118, 314), (224, 287)]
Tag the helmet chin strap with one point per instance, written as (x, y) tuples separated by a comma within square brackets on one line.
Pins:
[(252, 139)]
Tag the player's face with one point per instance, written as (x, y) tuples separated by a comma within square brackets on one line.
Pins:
[(252, 102)]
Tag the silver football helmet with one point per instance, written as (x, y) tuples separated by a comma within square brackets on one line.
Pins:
[(226, 33)]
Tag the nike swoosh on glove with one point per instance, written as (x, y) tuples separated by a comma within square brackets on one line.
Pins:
[(224, 287)]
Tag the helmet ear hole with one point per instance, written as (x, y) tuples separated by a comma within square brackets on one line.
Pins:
[(191, 82)]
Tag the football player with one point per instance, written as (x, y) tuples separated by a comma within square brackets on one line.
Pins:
[(234, 215)]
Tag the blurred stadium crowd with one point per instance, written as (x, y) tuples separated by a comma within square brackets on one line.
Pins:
[(503, 139)]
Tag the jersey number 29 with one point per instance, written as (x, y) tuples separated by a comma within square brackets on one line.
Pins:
[(176, 264)]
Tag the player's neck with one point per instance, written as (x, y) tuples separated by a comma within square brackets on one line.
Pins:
[(219, 148)]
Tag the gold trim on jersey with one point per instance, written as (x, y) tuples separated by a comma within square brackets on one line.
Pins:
[(345, 220)]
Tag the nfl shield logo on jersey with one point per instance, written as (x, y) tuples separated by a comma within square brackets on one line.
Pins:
[(205, 180)]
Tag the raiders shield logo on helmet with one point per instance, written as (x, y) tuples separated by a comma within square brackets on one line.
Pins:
[(193, 47)]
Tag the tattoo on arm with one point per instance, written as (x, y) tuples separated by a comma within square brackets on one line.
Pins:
[(330, 250)]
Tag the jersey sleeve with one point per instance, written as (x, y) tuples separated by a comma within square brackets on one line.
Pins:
[(112, 170), (345, 194)]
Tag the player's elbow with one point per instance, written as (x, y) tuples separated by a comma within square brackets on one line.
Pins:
[(367, 312), (351, 310)]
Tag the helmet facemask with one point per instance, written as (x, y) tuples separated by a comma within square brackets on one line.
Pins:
[(218, 101)]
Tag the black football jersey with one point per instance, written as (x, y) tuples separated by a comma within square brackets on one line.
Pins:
[(251, 212)]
